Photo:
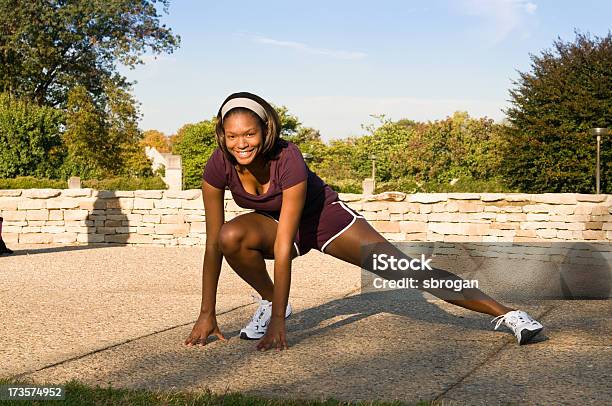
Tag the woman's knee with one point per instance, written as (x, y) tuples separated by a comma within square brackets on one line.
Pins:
[(231, 238)]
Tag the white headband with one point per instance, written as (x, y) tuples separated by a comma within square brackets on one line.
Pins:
[(245, 103)]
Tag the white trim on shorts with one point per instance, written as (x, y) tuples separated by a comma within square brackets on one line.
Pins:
[(294, 243), (355, 217)]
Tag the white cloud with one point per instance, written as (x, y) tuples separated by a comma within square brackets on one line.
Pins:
[(501, 17), (334, 53)]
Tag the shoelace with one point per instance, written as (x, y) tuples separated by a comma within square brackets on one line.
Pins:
[(513, 319), (259, 312)]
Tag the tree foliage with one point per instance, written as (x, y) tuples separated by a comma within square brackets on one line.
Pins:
[(195, 145), (30, 138), (156, 139), (48, 47), (567, 92)]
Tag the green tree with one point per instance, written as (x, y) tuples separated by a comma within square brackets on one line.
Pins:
[(30, 138), (156, 139), (49, 47), (195, 145), (103, 142), (568, 90)]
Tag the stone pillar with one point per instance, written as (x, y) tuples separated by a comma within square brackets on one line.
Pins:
[(74, 182)]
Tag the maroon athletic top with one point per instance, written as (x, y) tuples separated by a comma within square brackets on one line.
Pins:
[(286, 169)]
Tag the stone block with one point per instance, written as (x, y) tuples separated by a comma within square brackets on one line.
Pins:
[(42, 214), (139, 239), (394, 236), (546, 233), (416, 237), (536, 208), (90, 238), (151, 218), (174, 229), (76, 214), (386, 226), (32, 204), (565, 234), (194, 218), (10, 192), (368, 215), (402, 207), (427, 197), (537, 217), (562, 209), (148, 194), (517, 197), (145, 230), (599, 210), (116, 238), (470, 207), (415, 217), (112, 223), (62, 203), (350, 197), (10, 238), (13, 215), (41, 193), (444, 217), (192, 204), (591, 198), (593, 235), (39, 223), (65, 238), (87, 203), (425, 208), (199, 227), (56, 215), (172, 219), (584, 208), (77, 192), (167, 204), (594, 225), (35, 238), (555, 198), (491, 197), (9, 203), (189, 194), (11, 229), (410, 227), (464, 196), (374, 206), (188, 241), (53, 229), (462, 238), (140, 203)]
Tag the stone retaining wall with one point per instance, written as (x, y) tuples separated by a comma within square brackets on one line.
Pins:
[(177, 217)]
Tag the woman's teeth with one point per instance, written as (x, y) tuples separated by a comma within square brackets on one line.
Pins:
[(244, 154)]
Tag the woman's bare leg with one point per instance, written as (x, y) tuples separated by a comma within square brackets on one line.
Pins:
[(245, 242), (350, 244)]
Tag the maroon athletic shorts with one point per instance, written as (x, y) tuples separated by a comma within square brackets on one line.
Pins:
[(317, 230)]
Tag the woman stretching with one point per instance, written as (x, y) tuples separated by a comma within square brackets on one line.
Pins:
[(294, 212)]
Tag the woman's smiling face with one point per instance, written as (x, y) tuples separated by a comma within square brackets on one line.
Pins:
[(243, 137)]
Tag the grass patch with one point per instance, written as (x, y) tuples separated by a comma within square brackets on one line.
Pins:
[(119, 183), (80, 394)]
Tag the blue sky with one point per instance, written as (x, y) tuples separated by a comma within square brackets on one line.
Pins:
[(335, 63)]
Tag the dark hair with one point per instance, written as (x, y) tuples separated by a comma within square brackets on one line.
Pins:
[(270, 128)]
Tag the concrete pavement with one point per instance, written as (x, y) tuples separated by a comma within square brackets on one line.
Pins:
[(119, 315)]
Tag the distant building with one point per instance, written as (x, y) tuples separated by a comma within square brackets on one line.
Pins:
[(173, 167)]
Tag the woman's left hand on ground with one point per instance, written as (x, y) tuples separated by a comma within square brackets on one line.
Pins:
[(275, 337)]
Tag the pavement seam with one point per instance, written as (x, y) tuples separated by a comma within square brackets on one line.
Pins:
[(78, 357), (485, 361)]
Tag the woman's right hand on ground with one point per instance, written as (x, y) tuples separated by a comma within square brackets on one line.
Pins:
[(204, 327)]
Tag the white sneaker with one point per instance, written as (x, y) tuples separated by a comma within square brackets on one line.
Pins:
[(259, 323), (521, 324)]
